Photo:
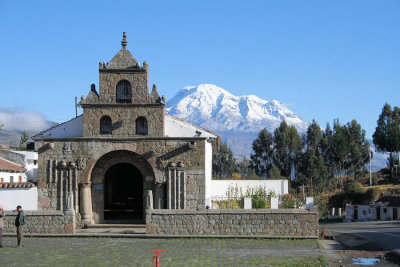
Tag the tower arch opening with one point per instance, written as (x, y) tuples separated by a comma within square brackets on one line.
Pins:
[(124, 92)]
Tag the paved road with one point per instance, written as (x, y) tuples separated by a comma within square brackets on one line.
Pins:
[(72, 251), (384, 234)]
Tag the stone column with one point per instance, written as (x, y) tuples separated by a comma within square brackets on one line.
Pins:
[(159, 196), (86, 202), (149, 199)]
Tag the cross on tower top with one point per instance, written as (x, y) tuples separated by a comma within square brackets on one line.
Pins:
[(124, 42)]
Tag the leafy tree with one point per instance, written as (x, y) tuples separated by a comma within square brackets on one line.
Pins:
[(274, 173), (314, 173), (243, 167), (287, 148), (282, 153), (24, 138), (313, 136), (314, 170), (387, 132), (359, 148), (223, 162), (339, 148), (295, 149), (261, 157)]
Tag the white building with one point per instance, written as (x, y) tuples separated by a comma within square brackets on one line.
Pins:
[(15, 188), (11, 172), (26, 159)]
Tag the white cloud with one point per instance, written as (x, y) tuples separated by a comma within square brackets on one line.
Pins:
[(19, 121)]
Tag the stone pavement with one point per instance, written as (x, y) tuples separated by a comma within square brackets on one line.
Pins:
[(179, 252)]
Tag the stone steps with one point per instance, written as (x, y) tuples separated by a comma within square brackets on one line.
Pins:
[(117, 229), (113, 225)]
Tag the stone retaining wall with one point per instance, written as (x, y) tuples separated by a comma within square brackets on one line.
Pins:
[(42, 222), (274, 223)]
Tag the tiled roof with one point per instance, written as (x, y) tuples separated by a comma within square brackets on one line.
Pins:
[(6, 165), (17, 185)]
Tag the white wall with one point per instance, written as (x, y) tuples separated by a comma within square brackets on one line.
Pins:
[(175, 127), (71, 128), (219, 187), (7, 176), (30, 164), (208, 172), (10, 198)]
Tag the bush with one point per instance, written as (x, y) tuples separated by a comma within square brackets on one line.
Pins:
[(289, 201), (257, 203), (322, 203)]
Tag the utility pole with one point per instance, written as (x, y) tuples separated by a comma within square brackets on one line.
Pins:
[(76, 107), (370, 169)]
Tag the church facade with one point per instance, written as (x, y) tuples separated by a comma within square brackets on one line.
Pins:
[(124, 154)]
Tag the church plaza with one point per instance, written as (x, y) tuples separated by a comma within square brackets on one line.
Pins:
[(178, 252)]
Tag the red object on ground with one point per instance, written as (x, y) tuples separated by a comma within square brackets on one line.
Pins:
[(156, 259)]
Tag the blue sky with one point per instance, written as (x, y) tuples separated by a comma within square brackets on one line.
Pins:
[(323, 59)]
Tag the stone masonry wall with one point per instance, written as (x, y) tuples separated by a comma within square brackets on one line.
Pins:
[(83, 153), (42, 222), (123, 119), (138, 80), (274, 223)]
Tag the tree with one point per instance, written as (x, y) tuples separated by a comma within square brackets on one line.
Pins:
[(387, 133), (295, 149), (359, 148), (282, 142), (223, 162), (261, 157), (243, 167), (339, 148), (313, 170), (274, 173), (23, 139), (287, 149)]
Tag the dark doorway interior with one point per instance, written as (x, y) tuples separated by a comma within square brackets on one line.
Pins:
[(355, 212), (123, 193)]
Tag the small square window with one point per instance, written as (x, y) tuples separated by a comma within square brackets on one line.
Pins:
[(11, 179)]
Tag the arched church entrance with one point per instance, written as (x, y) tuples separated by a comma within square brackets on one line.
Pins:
[(119, 180), (123, 193)]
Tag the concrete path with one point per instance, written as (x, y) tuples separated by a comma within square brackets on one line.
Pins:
[(384, 235)]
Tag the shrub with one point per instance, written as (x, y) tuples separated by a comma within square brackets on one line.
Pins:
[(257, 203), (289, 201)]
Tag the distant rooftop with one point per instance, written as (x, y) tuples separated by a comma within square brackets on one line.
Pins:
[(9, 166)]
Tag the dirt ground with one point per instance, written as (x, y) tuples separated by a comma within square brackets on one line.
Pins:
[(345, 257)]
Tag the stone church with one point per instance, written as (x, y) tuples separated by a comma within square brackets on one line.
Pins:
[(124, 154)]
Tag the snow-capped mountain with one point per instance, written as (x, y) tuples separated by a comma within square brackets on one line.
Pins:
[(237, 119)]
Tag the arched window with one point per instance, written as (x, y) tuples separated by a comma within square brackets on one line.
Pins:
[(141, 126), (105, 125), (124, 92)]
